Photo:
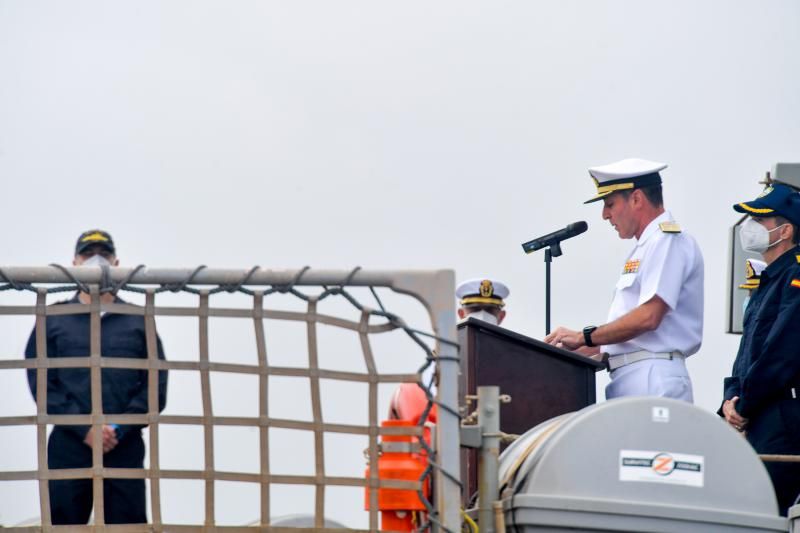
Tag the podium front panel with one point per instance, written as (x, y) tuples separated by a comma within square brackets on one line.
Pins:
[(543, 381)]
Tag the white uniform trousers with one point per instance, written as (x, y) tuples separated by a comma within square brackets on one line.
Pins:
[(652, 377)]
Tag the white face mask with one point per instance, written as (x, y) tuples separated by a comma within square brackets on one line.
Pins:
[(755, 237), (96, 260), (486, 316)]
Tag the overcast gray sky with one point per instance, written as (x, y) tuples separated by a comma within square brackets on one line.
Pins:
[(388, 135)]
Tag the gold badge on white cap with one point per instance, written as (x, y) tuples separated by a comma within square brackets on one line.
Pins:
[(482, 291)]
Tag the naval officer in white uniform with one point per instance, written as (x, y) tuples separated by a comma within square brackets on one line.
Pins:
[(656, 316), (482, 298)]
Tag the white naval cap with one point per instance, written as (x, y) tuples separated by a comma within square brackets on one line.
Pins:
[(752, 271), (482, 291), (627, 174)]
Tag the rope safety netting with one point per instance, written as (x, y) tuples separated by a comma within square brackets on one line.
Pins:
[(371, 321)]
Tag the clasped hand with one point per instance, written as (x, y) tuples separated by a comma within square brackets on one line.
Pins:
[(109, 438), (732, 416)]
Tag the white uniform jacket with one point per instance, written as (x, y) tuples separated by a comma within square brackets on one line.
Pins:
[(667, 263)]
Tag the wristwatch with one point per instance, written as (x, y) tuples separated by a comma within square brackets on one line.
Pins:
[(587, 335)]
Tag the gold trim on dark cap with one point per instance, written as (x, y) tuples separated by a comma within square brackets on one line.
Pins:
[(94, 236), (756, 210)]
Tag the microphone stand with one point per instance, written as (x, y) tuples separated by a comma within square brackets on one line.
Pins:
[(552, 245), (554, 250)]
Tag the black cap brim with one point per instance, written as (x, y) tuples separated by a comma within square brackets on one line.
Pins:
[(80, 249), (600, 197)]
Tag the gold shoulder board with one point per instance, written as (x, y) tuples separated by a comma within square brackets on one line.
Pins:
[(670, 227), (797, 256)]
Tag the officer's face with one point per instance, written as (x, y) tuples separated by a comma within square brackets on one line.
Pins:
[(495, 311), (618, 211), (769, 223), (784, 228)]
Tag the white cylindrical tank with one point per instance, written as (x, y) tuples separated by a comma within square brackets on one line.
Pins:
[(637, 464), (794, 519)]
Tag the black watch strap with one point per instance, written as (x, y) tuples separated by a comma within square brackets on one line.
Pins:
[(587, 335)]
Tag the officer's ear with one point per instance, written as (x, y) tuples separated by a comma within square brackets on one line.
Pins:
[(637, 198), (787, 231)]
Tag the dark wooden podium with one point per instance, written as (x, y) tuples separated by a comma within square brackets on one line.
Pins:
[(543, 381)]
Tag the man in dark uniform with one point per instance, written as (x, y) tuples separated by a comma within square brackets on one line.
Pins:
[(762, 396), (69, 392)]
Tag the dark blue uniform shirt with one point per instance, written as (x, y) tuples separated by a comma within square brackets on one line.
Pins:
[(69, 389), (767, 365)]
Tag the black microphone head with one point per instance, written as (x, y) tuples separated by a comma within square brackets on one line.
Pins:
[(576, 228), (552, 239), (529, 247)]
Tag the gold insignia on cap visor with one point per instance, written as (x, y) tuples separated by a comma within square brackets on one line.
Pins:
[(481, 291), (485, 295), (93, 237), (486, 289)]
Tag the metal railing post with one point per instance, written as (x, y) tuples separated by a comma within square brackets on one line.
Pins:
[(489, 422)]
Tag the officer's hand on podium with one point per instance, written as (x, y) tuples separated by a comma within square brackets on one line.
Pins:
[(592, 352), (566, 339)]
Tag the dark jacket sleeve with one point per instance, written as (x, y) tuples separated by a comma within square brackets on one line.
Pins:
[(731, 388), (778, 366), (732, 384), (59, 401), (138, 403)]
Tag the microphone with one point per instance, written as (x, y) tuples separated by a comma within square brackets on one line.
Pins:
[(552, 239)]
